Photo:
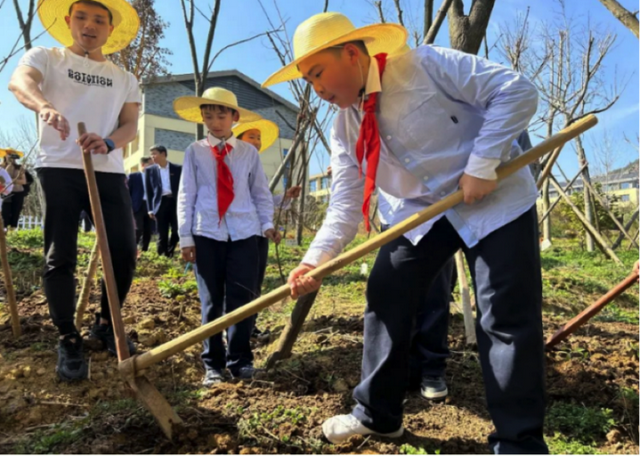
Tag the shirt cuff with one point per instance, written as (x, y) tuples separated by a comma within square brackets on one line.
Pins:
[(186, 241), (316, 257), (266, 226), (482, 168)]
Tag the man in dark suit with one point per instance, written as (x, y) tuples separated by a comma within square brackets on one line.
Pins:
[(139, 205), (162, 181)]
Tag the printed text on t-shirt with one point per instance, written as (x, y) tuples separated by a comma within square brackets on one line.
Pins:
[(90, 79)]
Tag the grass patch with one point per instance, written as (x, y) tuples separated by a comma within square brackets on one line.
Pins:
[(44, 442), (561, 444), (580, 423), (613, 313)]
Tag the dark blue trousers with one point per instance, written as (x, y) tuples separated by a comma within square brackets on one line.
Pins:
[(226, 273), (429, 346), (505, 268)]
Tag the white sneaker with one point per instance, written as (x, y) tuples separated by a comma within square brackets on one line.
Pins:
[(340, 427)]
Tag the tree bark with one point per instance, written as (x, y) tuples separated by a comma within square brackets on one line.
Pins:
[(623, 15), (466, 32), (588, 206)]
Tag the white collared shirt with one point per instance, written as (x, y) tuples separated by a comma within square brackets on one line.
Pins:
[(250, 212), (166, 179), (441, 113), (144, 186)]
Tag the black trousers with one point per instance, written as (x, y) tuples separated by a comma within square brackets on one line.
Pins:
[(226, 273), (505, 268), (11, 209), (429, 346), (66, 196), (143, 227), (167, 217)]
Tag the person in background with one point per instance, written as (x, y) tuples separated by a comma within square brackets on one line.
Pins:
[(224, 205), (261, 134), (12, 206), (139, 204), (162, 181)]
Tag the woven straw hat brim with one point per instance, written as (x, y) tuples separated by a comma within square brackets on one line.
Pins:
[(125, 21), (10, 151), (377, 37), (188, 108), (269, 131)]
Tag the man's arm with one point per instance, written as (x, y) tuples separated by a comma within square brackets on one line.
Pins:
[(123, 135), (25, 85)]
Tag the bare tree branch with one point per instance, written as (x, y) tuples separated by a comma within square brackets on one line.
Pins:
[(428, 17), (430, 36), (625, 16), (399, 11), (378, 5)]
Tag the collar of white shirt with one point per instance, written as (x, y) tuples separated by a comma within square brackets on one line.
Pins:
[(232, 141), (374, 84)]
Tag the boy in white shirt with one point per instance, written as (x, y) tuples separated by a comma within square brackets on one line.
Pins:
[(67, 85), (224, 205), (418, 127), (261, 134)]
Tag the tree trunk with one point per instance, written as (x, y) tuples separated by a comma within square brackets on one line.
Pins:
[(623, 15), (546, 204), (466, 32), (303, 194), (588, 204)]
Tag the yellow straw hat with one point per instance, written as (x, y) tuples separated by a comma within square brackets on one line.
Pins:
[(10, 151), (269, 131), (189, 107), (325, 30), (125, 22)]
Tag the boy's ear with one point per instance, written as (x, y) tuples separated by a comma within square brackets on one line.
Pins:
[(352, 51), (236, 116)]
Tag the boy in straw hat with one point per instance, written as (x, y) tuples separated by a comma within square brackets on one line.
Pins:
[(418, 126), (224, 206), (261, 134), (65, 86)]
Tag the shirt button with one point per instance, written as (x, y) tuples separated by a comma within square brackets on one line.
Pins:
[(425, 178), (388, 136), (407, 160)]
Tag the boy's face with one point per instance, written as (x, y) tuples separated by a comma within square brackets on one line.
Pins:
[(253, 137), (336, 74), (219, 121), (89, 25)]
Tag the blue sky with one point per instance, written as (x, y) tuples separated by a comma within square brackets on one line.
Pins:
[(240, 19)]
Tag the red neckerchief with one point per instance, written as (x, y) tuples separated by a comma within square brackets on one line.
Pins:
[(225, 178), (368, 144)]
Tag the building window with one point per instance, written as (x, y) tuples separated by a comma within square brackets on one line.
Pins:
[(313, 186), (325, 182), (625, 198), (626, 185)]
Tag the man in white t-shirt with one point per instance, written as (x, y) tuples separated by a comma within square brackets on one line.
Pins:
[(67, 85)]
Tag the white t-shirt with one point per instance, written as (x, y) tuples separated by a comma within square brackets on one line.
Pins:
[(82, 90)]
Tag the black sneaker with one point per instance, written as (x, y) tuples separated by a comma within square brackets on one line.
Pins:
[(71, 363), (433, 388), (246, 373), (212, 377), (260, 335), (105, 334)]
